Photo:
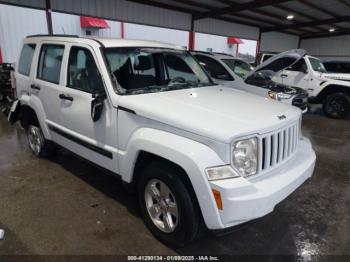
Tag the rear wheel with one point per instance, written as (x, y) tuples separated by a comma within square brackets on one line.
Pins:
[(39, 146), (336, 105), (167, 207)]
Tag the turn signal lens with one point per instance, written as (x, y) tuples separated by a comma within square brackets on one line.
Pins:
[(217, 197)]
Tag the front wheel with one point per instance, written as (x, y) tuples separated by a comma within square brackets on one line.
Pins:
[(336, 105), (167, 207)]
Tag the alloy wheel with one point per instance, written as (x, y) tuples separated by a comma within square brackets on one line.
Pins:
[(161, 206), (35, 138)]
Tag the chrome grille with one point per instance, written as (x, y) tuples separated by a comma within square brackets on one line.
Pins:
[(278, 146)]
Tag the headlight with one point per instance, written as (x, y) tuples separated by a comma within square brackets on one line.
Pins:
[(278, 96), (245, 156), (220, 172)]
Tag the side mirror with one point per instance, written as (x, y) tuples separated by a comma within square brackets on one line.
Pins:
[(97, 105)]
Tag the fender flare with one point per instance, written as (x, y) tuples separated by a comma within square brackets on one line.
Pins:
[(332, 88), (193, 157), (35, 104)]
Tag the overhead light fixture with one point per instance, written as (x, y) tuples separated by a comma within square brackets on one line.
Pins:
[(290, 17), (331, 30)]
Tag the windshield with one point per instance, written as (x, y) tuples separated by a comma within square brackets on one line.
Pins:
[(146, 70), (240, 67), (317, 65)]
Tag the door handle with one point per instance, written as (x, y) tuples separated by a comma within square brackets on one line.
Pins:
[(66, 97), (35, 87), (284, 75)]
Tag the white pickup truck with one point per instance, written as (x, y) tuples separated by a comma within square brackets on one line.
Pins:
[(199, 155), (329, 89)]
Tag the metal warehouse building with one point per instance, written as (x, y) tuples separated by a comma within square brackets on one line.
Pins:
[(255, 20)]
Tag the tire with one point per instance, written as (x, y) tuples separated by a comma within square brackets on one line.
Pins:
[(39, 146), (336, 105), (187, 225)]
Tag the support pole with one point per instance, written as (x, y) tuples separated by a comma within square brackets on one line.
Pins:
[(48, 12), (122, 30), (191, 37), (258, 43)]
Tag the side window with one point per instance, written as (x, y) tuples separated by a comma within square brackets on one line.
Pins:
[(82, 71), (50, 63), (25, 60), (214, 68), (298, 66), (177, 67)]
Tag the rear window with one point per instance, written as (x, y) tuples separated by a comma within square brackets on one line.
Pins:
[(25, 60), (50, 63)]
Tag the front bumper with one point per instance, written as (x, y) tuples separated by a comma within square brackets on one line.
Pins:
[(245, 199)]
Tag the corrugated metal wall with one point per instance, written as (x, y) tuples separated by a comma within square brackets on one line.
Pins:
[(28, 3), (70, 24), (216, 43), (125, 11), (337, 48), (15, 25), (142, 14), (166, 35), (218, 27), (278, 42)]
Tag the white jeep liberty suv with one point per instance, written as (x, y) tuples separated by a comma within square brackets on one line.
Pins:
[(199, 155)]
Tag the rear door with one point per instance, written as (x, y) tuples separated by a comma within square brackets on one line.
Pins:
[(24, 68), (95, 141), (47, 81)]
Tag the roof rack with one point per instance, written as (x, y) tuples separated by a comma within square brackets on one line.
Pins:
[(203, 52), (58, 35), (221, 53), (212, 53)]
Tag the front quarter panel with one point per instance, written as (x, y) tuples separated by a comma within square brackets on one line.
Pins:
[(192, 156)]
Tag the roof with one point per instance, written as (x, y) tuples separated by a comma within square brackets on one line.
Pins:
[(311, 18), (217, 55), (106, 42)]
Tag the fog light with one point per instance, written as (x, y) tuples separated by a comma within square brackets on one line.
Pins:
[(220, 172)]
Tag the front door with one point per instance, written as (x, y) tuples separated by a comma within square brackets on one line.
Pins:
[(93, 140), (296, 75)]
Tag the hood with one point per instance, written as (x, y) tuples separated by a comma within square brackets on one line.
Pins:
[(337, 76), (279, 62), (215, 112)]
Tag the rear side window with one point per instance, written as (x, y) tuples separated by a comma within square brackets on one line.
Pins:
[(25, 60), (50, 63), (82, 71)]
